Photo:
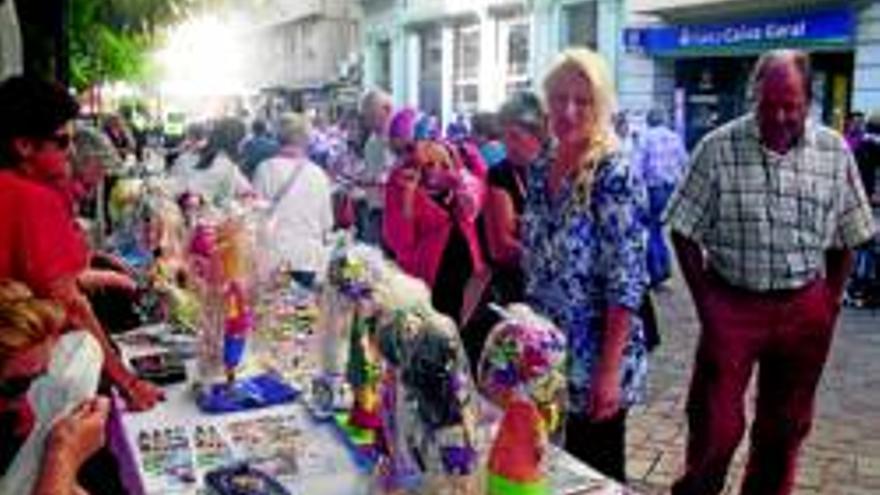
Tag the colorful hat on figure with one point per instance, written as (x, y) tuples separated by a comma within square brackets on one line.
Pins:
[(524, 355), (522, 370), (355, 271)]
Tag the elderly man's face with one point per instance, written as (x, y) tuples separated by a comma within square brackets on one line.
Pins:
[(376, 116), (781, 107)]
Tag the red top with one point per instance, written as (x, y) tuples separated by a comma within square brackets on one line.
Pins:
[(39, 239), (418, 243)]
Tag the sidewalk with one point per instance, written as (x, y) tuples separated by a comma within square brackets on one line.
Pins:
[(842, 453)]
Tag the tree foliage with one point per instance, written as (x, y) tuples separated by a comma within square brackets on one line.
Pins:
[(110, 39)]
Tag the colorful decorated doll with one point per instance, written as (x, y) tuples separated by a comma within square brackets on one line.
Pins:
[(522, 370), (126, 210), (353, 274), (220, 254), (437, 380), (164, 232), (235, 256), (329, 391), (201, 256), (348, 278), (402, 302), (191, 204)]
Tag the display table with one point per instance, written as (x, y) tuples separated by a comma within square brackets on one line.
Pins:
[(169, 449)]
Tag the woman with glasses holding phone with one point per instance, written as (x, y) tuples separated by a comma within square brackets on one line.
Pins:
[(40, 244), (431, 205)]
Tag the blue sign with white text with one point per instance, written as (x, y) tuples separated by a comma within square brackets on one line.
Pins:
[(821, 28)]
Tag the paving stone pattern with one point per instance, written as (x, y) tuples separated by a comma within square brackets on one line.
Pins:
[(841, 455)]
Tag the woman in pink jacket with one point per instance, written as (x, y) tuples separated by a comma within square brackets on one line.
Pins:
[(434, 195)]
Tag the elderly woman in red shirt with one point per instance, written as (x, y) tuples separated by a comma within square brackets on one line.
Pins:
[(40, 243)]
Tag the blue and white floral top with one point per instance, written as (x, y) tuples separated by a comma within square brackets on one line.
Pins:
[(583, 257)]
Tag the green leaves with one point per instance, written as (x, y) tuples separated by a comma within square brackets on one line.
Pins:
[(110, 39)]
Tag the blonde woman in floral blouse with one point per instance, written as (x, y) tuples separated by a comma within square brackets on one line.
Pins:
[(585, 238)]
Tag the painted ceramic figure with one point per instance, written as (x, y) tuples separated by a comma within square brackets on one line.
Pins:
[(235, 256), (437, 381), (402, 302), (522, 371)]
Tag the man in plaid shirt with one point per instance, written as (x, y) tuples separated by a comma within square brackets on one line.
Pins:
[(764, 225)]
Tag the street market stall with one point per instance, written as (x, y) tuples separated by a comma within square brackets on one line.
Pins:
[(343, 382), (170, 449)]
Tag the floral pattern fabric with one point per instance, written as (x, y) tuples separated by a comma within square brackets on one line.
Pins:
[(584, 256)]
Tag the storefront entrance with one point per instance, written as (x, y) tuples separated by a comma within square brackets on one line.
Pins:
[(713, 60), (716, 90)]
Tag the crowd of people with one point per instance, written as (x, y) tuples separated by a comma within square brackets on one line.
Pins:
[(862, 134), (549, 201)]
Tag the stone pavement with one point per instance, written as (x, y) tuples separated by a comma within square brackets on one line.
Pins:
[(842, 453)]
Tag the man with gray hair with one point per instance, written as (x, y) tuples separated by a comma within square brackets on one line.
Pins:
[(764, 224), (376, 110)]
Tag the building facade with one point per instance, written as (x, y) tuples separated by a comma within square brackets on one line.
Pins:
[(462, 56), (694, 57), (306, 49), (10, 41)]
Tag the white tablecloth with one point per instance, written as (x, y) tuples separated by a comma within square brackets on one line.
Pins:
[(329, 467)]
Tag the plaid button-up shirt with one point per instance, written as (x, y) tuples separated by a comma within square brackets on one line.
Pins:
[(766, 219)]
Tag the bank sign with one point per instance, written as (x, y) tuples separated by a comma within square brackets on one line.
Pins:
[(813, 29)]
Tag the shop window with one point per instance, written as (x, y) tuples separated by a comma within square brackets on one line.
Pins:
[(514, 41), (715, 92), (465, 67), (383, 79), (291, 46), (581, 24), (430, 69)]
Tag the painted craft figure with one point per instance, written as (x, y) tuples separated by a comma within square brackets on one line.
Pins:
[(437, 381), (402, 303), (353, 273), (238, 320), (522, 370)]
